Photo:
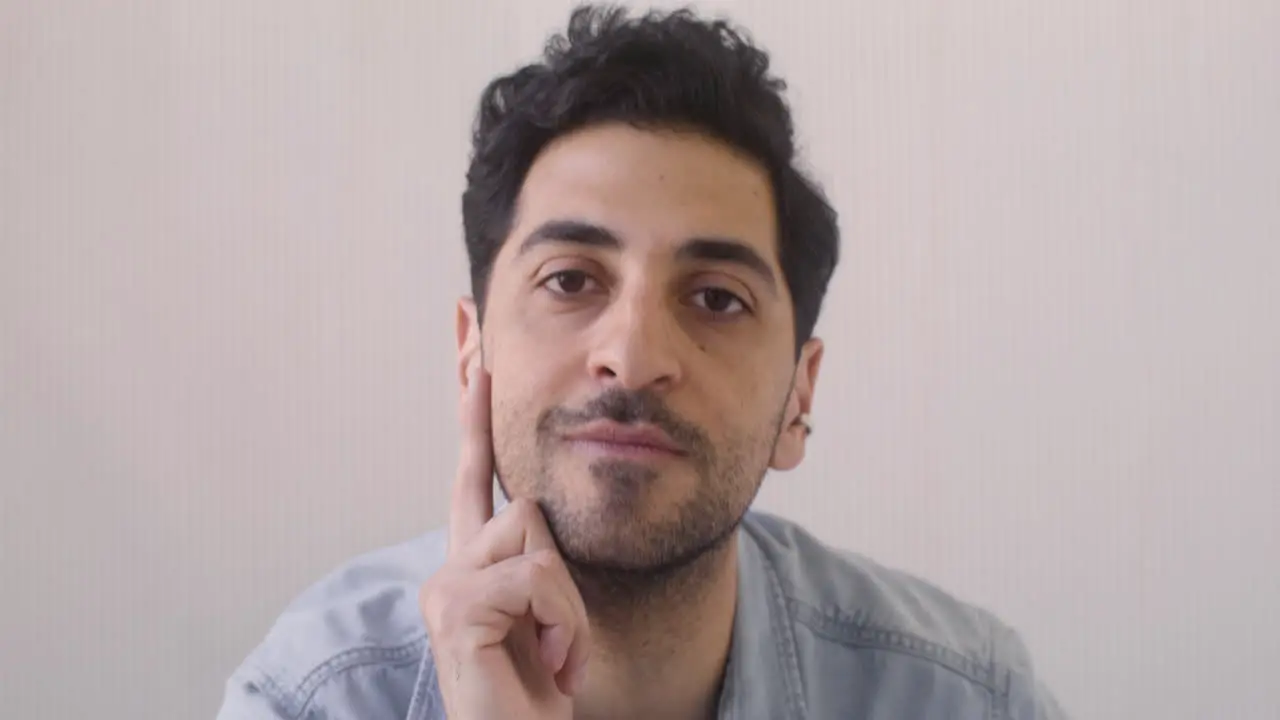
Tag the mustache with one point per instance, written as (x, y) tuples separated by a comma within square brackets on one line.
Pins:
[(629, 407)]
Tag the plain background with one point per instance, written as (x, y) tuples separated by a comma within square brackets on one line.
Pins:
[(230, 249)]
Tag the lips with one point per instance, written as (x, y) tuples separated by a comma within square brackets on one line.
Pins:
[(627, 438)]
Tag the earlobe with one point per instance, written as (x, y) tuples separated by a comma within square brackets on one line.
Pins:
[(806, 423), (788, 450)]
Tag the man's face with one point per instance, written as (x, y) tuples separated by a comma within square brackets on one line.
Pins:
[(640, 338)]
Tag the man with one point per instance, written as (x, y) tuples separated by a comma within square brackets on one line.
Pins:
[(647, 266)]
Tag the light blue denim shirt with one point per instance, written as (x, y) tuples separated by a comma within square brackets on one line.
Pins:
[(818, 633)]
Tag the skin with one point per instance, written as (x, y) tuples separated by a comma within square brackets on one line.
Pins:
[(639, 287)]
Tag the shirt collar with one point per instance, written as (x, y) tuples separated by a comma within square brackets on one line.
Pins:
[(762, 678), (763, 675)]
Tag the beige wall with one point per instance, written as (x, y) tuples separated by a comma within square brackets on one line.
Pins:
[(230, 246)]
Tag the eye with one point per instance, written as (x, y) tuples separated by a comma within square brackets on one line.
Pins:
[(569, 282), (719, 301)]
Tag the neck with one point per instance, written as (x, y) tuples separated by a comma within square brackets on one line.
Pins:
[(659, 644)]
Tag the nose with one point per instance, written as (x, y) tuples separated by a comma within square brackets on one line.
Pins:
[(636, 343)]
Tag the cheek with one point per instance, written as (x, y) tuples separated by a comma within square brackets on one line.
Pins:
[(745, 385), (528, 343), (749, 404), (515, 411), (514, 420), (525, 385)]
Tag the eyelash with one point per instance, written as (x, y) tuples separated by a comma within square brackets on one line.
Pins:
[(561, 274)]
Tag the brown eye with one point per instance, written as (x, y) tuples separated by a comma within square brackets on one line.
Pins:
[(719, 301), (568, 282)]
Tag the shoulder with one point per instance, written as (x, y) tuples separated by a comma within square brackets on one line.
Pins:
[(356, 635), (850, 601)]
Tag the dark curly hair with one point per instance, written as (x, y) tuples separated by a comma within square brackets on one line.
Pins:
[(669, 70)]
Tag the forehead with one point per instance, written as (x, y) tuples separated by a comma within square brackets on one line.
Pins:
[(654, 188)]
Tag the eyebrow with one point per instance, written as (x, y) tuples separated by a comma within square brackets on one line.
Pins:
[(717, 249)]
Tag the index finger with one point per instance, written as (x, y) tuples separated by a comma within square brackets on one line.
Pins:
[(472, 504)]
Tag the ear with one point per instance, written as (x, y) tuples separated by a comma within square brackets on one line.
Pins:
[(788, 450), (469, 346)]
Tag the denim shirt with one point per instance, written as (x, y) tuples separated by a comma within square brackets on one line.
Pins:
[(818, 633)]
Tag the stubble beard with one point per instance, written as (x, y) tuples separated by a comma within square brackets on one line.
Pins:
[(627, 565)]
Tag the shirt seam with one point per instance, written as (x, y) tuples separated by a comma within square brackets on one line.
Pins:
[(1000, 703), (286, 700), (426, 687), (306, 689), (856, 630), (786, 641)]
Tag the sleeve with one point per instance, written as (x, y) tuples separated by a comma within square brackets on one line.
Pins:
[(1027, 697), (251, 695)]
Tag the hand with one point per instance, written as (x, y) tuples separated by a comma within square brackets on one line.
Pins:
[(507, 624)]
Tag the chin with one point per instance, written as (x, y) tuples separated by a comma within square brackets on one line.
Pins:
[(627, 516), (633, 537), (619, 554)]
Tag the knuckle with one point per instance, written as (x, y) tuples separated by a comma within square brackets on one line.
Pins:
[(443, 610), (432, 601), (452, 616), (548, 560), (428, 594), (536, 572)]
